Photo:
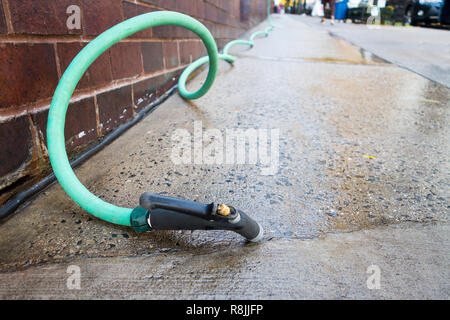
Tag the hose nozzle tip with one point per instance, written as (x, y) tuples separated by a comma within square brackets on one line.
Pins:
[(223, 210)]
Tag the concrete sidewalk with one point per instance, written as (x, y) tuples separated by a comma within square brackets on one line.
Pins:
[(362, 180), (412, 260), (422, 50)]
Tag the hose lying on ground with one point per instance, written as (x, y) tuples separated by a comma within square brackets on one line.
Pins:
[(150, 214)]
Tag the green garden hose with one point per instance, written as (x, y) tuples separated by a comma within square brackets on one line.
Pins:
[(58, 108), (223, 56)]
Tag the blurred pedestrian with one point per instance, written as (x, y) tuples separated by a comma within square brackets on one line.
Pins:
[(331, 3)]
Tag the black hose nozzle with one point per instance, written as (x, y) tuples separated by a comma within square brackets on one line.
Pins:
[(164, 213)]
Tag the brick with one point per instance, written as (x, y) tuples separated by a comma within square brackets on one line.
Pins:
[(186, 52), (211, 27), (226, 5), (199, 50), (145, 92), (187, 7), (168, 80), (144, 9), (219, 31), (170, 53), (115, 108), (152, 56), (126, 60), (166, 4), (98, 74), (27, 73), (131, 10), (244, 11), (80, 126), (201, 9), (191, 49), (3, 26), (15, 144), (222, 16), (170, 31), (100, 15), (211, 12), (41, 17), (154, 2), (164, 32)]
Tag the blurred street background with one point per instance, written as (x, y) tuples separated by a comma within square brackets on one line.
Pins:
[(427, 13), (412, 34)]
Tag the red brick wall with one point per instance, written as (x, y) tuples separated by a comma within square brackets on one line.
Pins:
[(36, 47)]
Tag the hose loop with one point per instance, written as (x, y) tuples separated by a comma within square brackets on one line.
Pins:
[(58, 108), (224, 56), (61, 98)]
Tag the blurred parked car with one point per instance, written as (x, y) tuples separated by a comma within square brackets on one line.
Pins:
[(412, 12), (445, 13), (423, 11)]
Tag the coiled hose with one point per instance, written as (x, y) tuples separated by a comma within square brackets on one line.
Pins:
[(58, 108)]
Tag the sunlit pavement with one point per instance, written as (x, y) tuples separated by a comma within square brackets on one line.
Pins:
[(358, 207)]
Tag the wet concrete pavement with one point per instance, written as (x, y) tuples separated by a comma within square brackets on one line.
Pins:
[(422, 50), (333, 267), (362, 179)]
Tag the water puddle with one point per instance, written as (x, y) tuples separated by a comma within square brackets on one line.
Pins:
[(366, 56)]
